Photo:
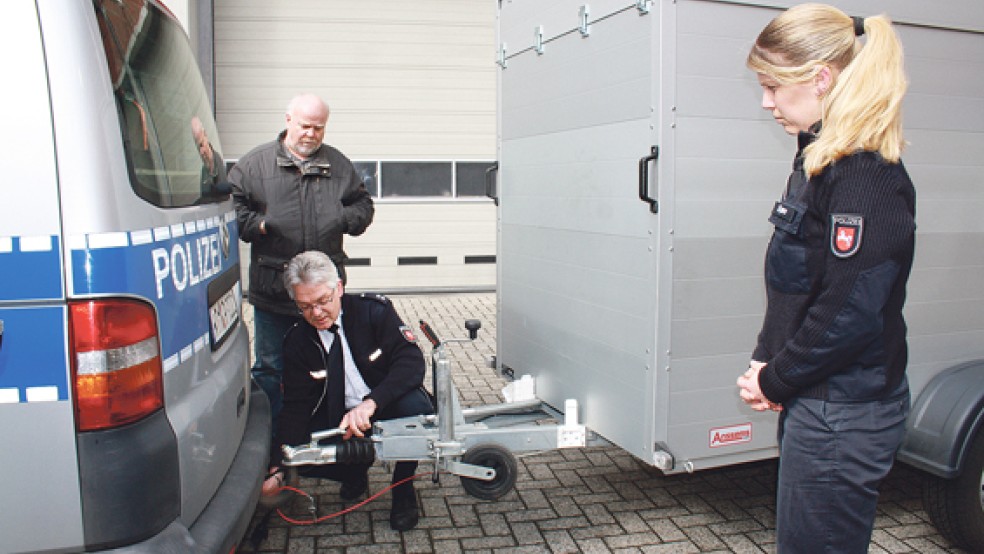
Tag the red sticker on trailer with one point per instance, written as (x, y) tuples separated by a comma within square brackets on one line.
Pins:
[(727, 436)]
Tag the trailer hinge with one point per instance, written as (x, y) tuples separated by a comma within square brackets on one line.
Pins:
[(538, 39), (501, 56), (643, 6), (662, 458), (583, 15)]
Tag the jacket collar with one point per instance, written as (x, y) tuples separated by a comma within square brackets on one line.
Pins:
[(804, 139), (315, 164)]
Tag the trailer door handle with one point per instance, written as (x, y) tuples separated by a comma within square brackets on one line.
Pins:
[(644, 194), (490, 189)]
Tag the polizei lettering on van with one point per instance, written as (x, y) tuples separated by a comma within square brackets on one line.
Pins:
[(187, 263), (185, 269)]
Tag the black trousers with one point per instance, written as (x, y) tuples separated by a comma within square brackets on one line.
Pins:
[(832, 457), (415, 402)]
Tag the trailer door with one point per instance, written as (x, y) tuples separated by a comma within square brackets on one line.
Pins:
[(578, 247)]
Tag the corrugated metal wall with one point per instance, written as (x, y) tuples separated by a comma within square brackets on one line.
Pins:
[(407, 81)]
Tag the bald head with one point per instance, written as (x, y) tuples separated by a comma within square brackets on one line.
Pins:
[(307, 115), (307, 103), (201, 141)]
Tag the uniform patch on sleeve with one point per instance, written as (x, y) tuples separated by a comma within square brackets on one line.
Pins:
[(377, 297), (845, 234), (408, 333)]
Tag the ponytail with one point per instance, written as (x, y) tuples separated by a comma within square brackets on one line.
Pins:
[(863, 111)]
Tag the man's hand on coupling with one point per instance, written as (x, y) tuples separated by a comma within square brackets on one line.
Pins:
[(358, 420)]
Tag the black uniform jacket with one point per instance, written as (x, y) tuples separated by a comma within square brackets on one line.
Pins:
[(390, 364), (836, 273)]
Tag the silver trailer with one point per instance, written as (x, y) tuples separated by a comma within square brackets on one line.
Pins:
[(636, 174)]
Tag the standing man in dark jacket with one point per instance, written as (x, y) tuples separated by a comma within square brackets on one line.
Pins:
[(292, 194), (350, 362)]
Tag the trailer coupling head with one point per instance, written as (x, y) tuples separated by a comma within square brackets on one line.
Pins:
[(353, 451)]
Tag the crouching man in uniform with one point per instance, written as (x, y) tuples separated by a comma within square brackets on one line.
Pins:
[(350, 362)]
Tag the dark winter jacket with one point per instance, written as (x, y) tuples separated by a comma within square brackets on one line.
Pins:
[(305, 206), (836, 272)]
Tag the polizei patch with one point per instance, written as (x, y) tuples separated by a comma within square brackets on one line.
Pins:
[(845, 234), (408, 333)]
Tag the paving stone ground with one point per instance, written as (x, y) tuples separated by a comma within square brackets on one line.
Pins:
[(592, 500)]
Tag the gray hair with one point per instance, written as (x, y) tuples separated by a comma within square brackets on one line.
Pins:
[(310, 268)]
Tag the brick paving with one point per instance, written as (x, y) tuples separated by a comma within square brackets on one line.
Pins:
[(592, 500)]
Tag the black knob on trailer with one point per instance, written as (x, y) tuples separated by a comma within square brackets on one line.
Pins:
[(473, 325)]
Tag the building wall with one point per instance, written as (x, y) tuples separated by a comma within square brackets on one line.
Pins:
[(405, 81)]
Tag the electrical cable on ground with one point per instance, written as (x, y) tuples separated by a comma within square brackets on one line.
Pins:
[(316, 520)]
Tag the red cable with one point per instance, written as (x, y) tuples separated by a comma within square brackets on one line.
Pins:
[(290, 520)]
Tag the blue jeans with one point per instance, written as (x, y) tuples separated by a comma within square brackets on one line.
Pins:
[(269, 329), (832, 457)]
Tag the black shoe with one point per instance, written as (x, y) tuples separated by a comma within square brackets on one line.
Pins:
[(355, 488), (403, 514)]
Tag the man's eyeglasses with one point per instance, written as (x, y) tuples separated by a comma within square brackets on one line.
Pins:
[(322, 303)]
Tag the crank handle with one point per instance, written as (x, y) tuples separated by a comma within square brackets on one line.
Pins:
[(319, 436)]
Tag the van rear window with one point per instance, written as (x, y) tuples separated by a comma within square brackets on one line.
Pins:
[(172, 147)]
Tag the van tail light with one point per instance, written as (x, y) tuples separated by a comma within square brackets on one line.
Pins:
[(116, 362)]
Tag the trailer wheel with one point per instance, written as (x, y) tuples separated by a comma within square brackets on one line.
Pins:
[(956, 506), (498, 458)]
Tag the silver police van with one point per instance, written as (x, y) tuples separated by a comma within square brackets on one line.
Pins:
[(127, 416)]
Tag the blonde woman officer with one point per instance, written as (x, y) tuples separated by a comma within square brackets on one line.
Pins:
[(831, 354)]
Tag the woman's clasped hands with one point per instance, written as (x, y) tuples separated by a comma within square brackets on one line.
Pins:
[(749, 391)]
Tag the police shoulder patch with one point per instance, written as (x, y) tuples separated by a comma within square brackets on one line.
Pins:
[(377, 297), (845, 234), (408, 333)]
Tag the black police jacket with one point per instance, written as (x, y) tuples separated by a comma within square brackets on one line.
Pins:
[(383, 349), (836, 272)]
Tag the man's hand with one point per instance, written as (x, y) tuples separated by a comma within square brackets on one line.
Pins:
[(358, 419), (751, 393), (274, 482)]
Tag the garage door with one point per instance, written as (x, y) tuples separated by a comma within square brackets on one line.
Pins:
[(411, 87)]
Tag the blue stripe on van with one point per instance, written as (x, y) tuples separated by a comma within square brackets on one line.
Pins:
[(169, 266), (31, 268), (33, 367)]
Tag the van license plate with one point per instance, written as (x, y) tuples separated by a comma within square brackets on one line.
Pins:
[(224, 314)]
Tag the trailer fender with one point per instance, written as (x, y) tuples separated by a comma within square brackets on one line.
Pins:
[(944, 420)]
